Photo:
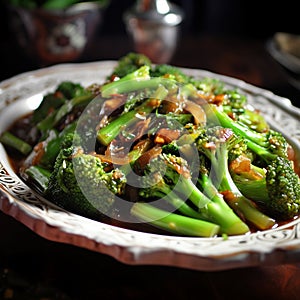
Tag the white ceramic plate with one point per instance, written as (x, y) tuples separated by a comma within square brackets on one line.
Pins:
[(21, 94)]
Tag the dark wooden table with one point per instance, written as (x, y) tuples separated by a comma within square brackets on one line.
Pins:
[(32, 267)]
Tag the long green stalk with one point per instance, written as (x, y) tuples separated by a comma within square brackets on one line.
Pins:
[(173, 222), (108, 133), (9, 139)]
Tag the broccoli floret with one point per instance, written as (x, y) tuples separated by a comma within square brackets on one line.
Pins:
[(80, 182), (130, 63), (58, 114), (154, 186), (170, 72), (267, 145), (209, 86), (137, 80), (47, 150), (234, 101), (253, 119), (175, 183), (171, 148), (236, 106), (216, 143), (275, 189), (284, 189), (183, 147), (71, 89), (52, 101)]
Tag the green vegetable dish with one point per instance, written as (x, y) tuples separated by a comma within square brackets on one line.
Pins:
[(156, 150)]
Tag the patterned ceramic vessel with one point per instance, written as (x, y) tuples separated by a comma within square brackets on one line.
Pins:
[(59, 35), (155, 28)]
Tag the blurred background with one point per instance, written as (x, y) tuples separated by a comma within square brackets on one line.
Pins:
[(245, 19), (223, 36), (233, 17), (230, 17)]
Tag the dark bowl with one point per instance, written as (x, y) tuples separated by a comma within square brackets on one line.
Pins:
[(56, 35)]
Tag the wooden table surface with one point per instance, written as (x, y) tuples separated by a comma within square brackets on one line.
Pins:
[(32, 267)]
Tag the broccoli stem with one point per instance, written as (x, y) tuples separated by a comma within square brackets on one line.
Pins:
[(124, 87), (172, 222), (252, 189), (246, 209), (182, 206), (220, 211), (71, 104), (39, 175), (108, 133), (239, 129), (9, 139), (262, 152), (52, 145), (137, 80), (214, 210), (129, 82), (186, 187), (56, 116), (164, 191), (236, 200)]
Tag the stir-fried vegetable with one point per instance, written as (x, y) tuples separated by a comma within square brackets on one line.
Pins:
[(155, 145)]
